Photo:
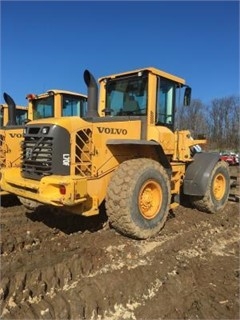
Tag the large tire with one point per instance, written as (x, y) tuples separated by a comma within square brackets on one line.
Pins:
[(138, 198), (217, 192), (30, 205)]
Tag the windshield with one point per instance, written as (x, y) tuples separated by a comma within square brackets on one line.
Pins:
[(74, 106), (127, 96)]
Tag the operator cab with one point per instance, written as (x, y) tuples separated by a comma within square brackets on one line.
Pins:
[(57, 103), (148, 92), (21, 115)]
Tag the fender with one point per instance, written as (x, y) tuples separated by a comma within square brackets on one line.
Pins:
[(158, 148), (198, 172)]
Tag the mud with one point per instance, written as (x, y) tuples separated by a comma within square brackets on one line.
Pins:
[(59, 266)]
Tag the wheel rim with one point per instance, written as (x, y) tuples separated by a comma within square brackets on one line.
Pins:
[(219, 186), (150, 199)]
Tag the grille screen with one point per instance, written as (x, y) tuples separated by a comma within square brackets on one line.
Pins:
[(37, 155), (83, 154)]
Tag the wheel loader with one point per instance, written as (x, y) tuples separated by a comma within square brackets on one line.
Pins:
[(21, 114), (6, 119), (53, 103), (125, 152), (13, 118)]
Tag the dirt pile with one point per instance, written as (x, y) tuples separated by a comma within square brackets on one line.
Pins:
[(58, 266)]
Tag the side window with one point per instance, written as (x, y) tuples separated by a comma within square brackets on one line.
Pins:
[(165, 101), (73, 106), (1, 117), (83, 107), (21, 116)]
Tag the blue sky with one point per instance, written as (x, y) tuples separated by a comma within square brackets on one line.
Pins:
[(48, 45)]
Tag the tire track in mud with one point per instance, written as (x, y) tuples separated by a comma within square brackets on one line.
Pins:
[(90, 279)]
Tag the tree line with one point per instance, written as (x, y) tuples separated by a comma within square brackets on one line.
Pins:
[(219, 122)]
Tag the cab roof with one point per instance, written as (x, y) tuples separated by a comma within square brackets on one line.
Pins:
[(153, 70), (4, 105), (59, 91)]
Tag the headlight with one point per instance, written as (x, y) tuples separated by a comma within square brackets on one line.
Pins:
[(45, 130)]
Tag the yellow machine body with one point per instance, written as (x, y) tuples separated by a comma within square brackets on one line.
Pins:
[(21, 115), (10, 148), (93, 147), (53, 103)]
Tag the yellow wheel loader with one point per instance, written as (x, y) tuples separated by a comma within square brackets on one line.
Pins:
[(125, 151), (6, 115), (53, 103), (14, 117), (21, 115)]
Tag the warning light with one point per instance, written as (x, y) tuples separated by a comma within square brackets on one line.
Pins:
[(31, 96)]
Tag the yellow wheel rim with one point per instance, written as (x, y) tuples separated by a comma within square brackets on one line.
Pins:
[(219, 186), (150, 199)]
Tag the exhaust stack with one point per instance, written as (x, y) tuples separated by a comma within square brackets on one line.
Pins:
[(11, 110), (92, 94)]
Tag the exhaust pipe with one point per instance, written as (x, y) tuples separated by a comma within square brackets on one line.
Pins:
[(11, 110), (92, 94)]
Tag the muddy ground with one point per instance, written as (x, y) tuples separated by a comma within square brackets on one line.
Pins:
[(57, 266)]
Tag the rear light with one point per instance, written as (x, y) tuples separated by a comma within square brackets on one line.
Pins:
[(62, 189)]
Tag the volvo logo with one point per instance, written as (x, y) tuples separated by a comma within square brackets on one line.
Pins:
[(112, 130), (16, 135)]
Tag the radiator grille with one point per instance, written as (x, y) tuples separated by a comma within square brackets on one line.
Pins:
[(37, 155)]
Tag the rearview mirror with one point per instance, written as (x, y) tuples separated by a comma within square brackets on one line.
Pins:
[(187, 96)]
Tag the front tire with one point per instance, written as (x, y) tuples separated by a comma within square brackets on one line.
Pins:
[(217, 193), (138, 198)]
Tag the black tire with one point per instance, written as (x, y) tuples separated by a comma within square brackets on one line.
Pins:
[(138, 198), (217, 193), (30, 205)]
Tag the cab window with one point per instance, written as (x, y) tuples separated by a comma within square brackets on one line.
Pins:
[(127, 96), (165, 102), (74, 106), (21, 116), (1, 117), (43, 108)]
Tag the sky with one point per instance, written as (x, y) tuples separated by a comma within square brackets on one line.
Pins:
[(48, 44)]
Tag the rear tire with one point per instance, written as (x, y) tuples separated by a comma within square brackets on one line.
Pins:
[(217, 193), (138, 198)]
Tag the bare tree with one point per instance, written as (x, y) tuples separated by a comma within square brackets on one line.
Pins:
[(220, 122), (224, 123), (193, 118)]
